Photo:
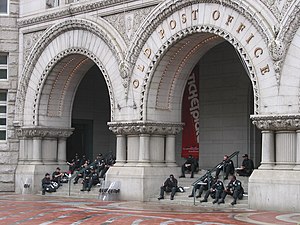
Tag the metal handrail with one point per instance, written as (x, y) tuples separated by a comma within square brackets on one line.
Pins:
[(209, 172), (214, 169)]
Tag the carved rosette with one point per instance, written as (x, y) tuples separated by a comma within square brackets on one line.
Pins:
[(30, 132), (277, 122), (136, 128)]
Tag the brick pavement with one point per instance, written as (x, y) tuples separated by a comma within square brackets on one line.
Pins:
[(36, 209)]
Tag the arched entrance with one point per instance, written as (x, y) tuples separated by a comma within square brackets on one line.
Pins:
[(174, 38), (52, 74), (90, 114), (225, 104)]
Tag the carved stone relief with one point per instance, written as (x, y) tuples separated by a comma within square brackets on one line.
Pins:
[(30, 132), (277, 122), (127, 23), (278, 7), (29, 40), (137, 128)]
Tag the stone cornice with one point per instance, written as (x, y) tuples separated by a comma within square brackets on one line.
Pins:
[(76, 9), (42, 132), (277, 122), (139, 127)]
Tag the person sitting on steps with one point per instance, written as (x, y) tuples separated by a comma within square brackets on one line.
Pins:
[(190, 164), (227, 166), (170, 185), (215, 191), (203, 185), (246, 168), (235, 189)]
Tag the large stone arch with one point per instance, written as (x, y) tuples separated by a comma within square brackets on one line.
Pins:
[(157, 91), (236, 22), (74, 36), (51, 75)]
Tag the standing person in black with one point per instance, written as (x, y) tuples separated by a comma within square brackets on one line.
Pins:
[(46, 182), (227, 166), (190, 164), (233, 188), (215, 191), (170, 185), (247, 167)]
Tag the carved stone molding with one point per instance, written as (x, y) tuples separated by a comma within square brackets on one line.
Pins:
[(70, 10), (277, 122), (170, 7), (139, 127), (42, 132)]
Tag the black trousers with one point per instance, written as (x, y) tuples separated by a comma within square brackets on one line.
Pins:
[(164, 189)]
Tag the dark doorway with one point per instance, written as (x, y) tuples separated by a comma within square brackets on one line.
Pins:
[(81, 141)]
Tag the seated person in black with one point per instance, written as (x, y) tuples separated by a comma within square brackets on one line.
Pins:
[(235, 189), (74, 164), (247, 167), (84, 170), (215, 191), (190, 164), (92, 178), (227, 166), (203, 185), (57, 175), (46, 182), (170, 185), (108, 162)]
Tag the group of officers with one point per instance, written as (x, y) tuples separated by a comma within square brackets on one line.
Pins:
[(213, 186), (82, 168)]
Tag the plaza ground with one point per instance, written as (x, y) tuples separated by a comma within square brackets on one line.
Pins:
[(37, 209)]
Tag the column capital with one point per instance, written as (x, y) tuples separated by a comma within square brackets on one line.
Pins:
[(288, 122), (141, 127), (39, 132)]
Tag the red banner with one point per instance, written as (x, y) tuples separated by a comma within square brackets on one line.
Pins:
[(190, 116)]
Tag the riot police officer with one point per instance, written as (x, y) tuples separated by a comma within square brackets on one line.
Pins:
[(233, 188)]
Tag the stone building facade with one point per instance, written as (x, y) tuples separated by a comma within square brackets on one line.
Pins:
[(109, 76)]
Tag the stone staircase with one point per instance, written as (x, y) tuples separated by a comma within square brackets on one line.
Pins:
[(183, 199), (74, 190)]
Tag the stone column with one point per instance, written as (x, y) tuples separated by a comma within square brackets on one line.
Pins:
[(157, 150), (133, 150), (170, 150), (121, 150), (29, 149), (285, 150), (267, 150), (62, 150), (22, 156), (144, 153), (37, 150), (297, 163), (49, 150)]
